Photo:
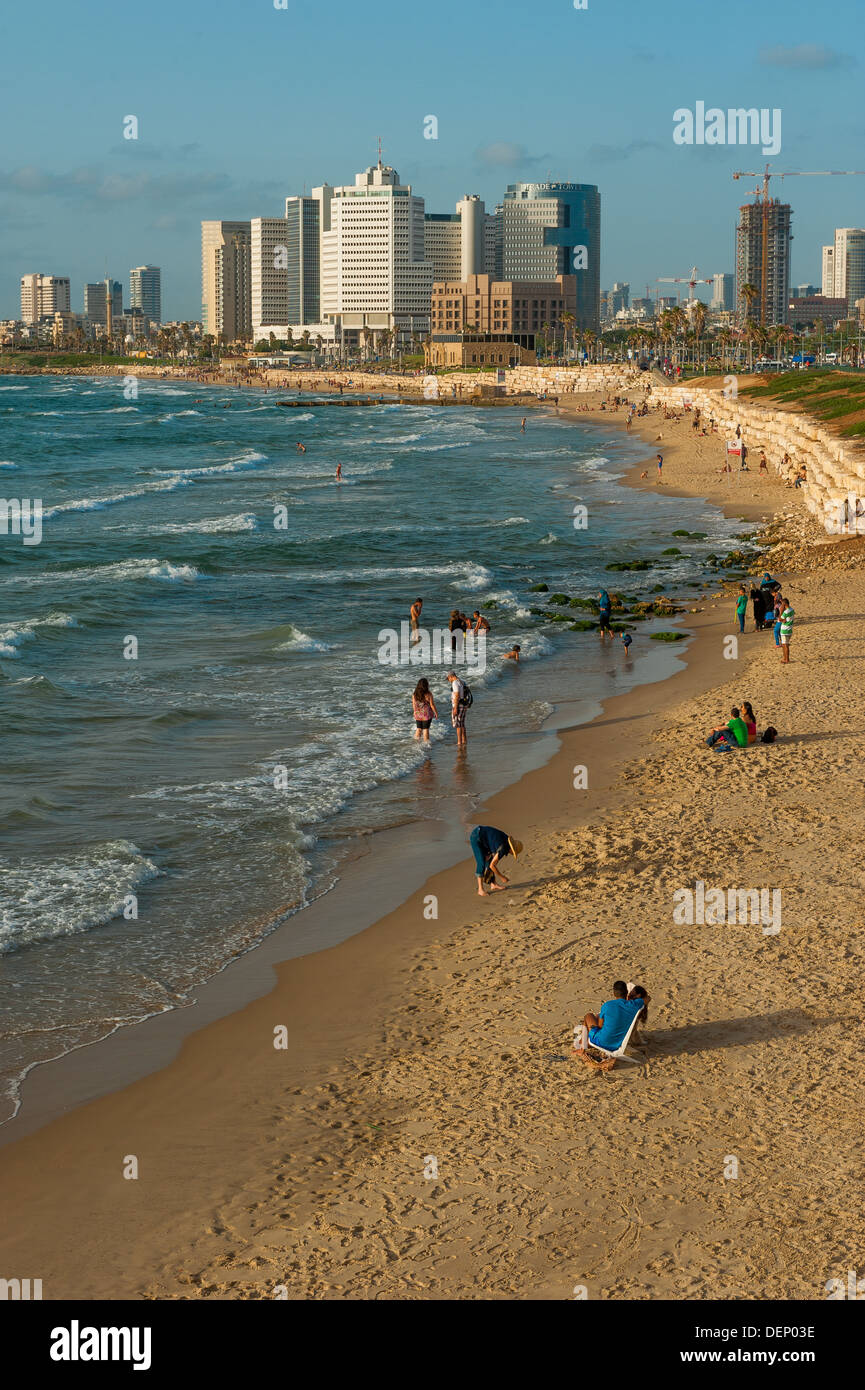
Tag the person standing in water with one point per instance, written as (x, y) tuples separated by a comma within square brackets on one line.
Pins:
[(523, 425), (415, 619), (459, 706), (424, 709), (339, 472)]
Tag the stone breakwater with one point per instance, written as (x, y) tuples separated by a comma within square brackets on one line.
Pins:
[(834, 492), (558, 381)]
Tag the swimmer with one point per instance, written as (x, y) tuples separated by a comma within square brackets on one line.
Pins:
[(301, 448), (513, 654)]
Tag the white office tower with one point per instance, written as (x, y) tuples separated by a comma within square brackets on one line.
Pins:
[(849, 265), (145, 291), (374, 275), (723, 292), (828, 276), (269, 272), (42, 296)]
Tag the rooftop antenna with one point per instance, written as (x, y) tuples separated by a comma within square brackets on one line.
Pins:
[(379, 152)]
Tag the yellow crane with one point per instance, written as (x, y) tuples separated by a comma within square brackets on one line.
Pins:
[(764, 191)]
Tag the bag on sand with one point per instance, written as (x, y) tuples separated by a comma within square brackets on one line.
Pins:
[(769, 735)]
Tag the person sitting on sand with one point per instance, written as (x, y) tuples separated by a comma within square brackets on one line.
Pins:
[(513, 654), (749, 719), (608, 1027), (734, 733), (489, 847)]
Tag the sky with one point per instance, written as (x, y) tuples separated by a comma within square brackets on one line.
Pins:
[(239, 103)]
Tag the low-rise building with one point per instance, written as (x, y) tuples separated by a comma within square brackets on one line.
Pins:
[(479, 350), (516, 308), (817, 308)]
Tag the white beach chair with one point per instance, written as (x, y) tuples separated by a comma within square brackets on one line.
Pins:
[(620, 1051)]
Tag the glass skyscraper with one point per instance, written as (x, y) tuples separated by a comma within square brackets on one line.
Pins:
[(544, 228)]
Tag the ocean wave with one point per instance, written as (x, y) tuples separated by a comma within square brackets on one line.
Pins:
[(223, 525), (6, 463), (302, 642), (13, 636), (117, 572), (122, 409), (44, 899), (246, 460), (98, 504)]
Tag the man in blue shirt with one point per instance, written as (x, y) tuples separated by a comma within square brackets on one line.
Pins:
[(608, 1029), (489, 846)]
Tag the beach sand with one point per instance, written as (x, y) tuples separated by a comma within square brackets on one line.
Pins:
[(419, 1138)]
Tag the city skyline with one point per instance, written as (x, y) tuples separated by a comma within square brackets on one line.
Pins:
[(588, 108)]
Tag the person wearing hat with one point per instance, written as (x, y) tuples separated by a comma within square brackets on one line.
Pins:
[(489, 846)]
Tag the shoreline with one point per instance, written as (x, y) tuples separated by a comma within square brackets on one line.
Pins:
[(197, 1118)]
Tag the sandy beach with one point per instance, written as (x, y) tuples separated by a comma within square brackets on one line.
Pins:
[(424, 1132)]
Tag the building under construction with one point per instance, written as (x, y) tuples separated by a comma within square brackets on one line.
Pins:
[(771, 281)]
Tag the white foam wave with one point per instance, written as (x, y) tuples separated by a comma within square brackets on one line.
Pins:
[(217, 526), (41, 899), (302, 642), (13, 636)]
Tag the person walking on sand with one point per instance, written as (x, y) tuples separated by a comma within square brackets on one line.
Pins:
[(460, 701), (489, 847), (741, 607), (423, 709), (787, 616)]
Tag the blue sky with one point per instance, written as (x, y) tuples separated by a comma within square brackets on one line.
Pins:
[(241, 103)]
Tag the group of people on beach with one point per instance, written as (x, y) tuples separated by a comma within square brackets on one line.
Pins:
[(771, 610)]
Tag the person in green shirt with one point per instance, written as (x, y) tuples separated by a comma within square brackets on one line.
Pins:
[(786, 633), (741, 607), (733, 733)]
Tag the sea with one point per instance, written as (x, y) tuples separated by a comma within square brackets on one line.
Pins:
[(204, 687)]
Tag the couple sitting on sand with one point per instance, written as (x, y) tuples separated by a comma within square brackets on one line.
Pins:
[(609, 1028)]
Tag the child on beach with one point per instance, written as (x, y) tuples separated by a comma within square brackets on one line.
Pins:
[(513, 654), (741, 607), (627, 639)]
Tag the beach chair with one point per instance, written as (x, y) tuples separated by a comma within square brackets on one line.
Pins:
[(620, 1051)]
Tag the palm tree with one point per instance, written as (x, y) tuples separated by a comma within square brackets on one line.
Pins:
[(698, 319), (569, 323), (749, 293)]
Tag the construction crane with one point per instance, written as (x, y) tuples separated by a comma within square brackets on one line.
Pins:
[(691, 281), (763, 193)]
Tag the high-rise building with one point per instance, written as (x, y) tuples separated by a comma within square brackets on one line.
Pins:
[(849, 262), (374, 276), (145, 291), (551, 229), (226, 291), (827, 283), (303, 216), (268, 260), (42, 296), (749, 259), (101, 296), (462, 243), (803, 291), (443, 244), (493, 243), (723, 286)]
